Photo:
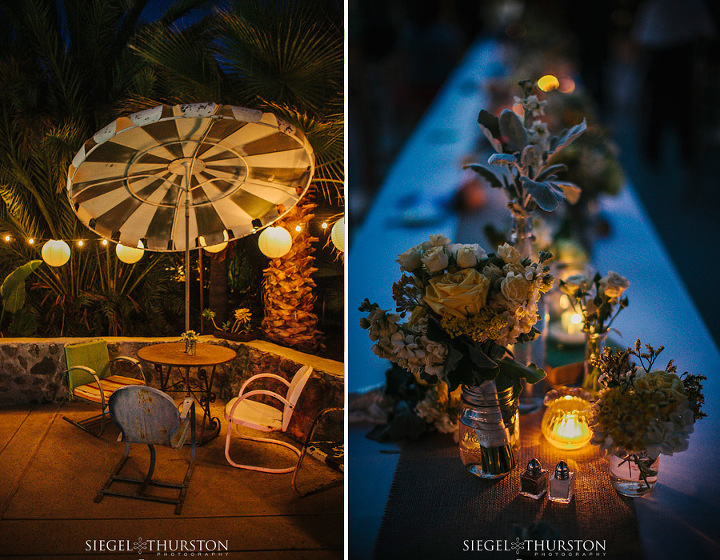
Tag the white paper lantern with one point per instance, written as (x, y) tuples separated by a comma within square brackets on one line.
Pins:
[(215, 248), (275, 242), (338, 235), (56, 252), (129, 255)]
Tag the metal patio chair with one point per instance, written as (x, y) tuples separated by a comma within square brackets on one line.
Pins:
[(242, 411), (90, 378), (324, 443), (149, 416)]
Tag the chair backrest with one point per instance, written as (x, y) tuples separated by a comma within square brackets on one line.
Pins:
[(93, 354), (144, 414), (296, 388)]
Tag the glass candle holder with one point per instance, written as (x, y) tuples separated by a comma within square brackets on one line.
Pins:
[(565, 422)]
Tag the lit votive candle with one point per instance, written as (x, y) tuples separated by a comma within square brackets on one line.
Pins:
[(565, 422)]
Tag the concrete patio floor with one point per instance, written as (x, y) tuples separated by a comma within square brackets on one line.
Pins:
[(50, 472)]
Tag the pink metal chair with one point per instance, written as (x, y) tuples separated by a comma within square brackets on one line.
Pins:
[(242, 411)]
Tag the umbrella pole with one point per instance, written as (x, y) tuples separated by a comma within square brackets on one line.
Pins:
[(187, 262)]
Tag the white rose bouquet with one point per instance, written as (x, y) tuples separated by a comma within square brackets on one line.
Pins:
[(457, 312), (642, 409)]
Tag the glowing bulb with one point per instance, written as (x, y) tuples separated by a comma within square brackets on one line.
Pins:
[(275, 242), (56, 252), (129, 255), (324, 225), (298, 228), (7, 238), (337, 234), (31, 241), (80, 243), (104, 242), (548, 83), (576, 318), (214, 248)]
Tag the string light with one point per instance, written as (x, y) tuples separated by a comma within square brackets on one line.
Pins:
[(298, 228), (31, 241), (104, 242), (80, 243), (324, 225), (7, 238)]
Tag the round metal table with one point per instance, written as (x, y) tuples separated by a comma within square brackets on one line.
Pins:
[(169, 355)]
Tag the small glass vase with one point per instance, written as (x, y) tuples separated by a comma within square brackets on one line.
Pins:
[(594, 343), (633, 475), (190, 347), (489, 430), (531, 396)]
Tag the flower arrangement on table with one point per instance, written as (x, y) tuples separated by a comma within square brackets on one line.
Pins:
[(644, 411), (598, 301), (190, 338), (465, 307)]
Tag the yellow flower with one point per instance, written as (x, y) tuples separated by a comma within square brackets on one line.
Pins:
[(243, 315), (459, 294)]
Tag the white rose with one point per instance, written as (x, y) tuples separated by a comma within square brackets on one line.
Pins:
[(516, 289), (435, 259), (411, 259), (613, 285), (467, 255), (509, 254), (439, 240)]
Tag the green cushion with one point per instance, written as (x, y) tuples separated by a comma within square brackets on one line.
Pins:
[(92, 354)]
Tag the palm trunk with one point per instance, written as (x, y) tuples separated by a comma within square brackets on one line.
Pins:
[(289, 296)]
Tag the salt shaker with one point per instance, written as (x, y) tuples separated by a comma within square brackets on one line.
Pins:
[(534, 481), (562, 484)]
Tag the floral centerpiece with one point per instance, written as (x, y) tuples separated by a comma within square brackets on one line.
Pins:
[(522, 164), (190, 338), (598, 301), (457, 312), (643, 412)]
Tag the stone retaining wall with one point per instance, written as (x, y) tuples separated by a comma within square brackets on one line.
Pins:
[(33, 371)]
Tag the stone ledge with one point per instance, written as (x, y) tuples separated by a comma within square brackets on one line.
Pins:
[(32, 370)]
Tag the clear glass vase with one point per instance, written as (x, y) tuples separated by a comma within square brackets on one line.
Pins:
[(594, 343), (531, 396), (190, 346), (489, 430), (633, 475)]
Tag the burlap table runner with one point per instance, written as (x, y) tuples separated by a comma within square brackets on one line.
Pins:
[(437, 510)]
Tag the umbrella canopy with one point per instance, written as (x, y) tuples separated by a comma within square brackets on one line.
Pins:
[(177, 178)]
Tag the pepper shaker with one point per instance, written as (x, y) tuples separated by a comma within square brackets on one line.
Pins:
[(534, 481), (562, 484)]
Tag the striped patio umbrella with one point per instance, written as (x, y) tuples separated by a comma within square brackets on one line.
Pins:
[(181, 177)]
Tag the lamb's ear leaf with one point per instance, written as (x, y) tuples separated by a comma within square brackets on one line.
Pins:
[(502, 159), (490, 127), (545, 194), (551, 170), (486, 173), (512, 131), (567, 137)]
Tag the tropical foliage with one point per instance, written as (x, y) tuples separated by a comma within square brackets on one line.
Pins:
[(69, 68)]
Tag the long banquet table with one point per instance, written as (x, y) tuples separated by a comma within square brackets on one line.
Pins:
[(681, 517)]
